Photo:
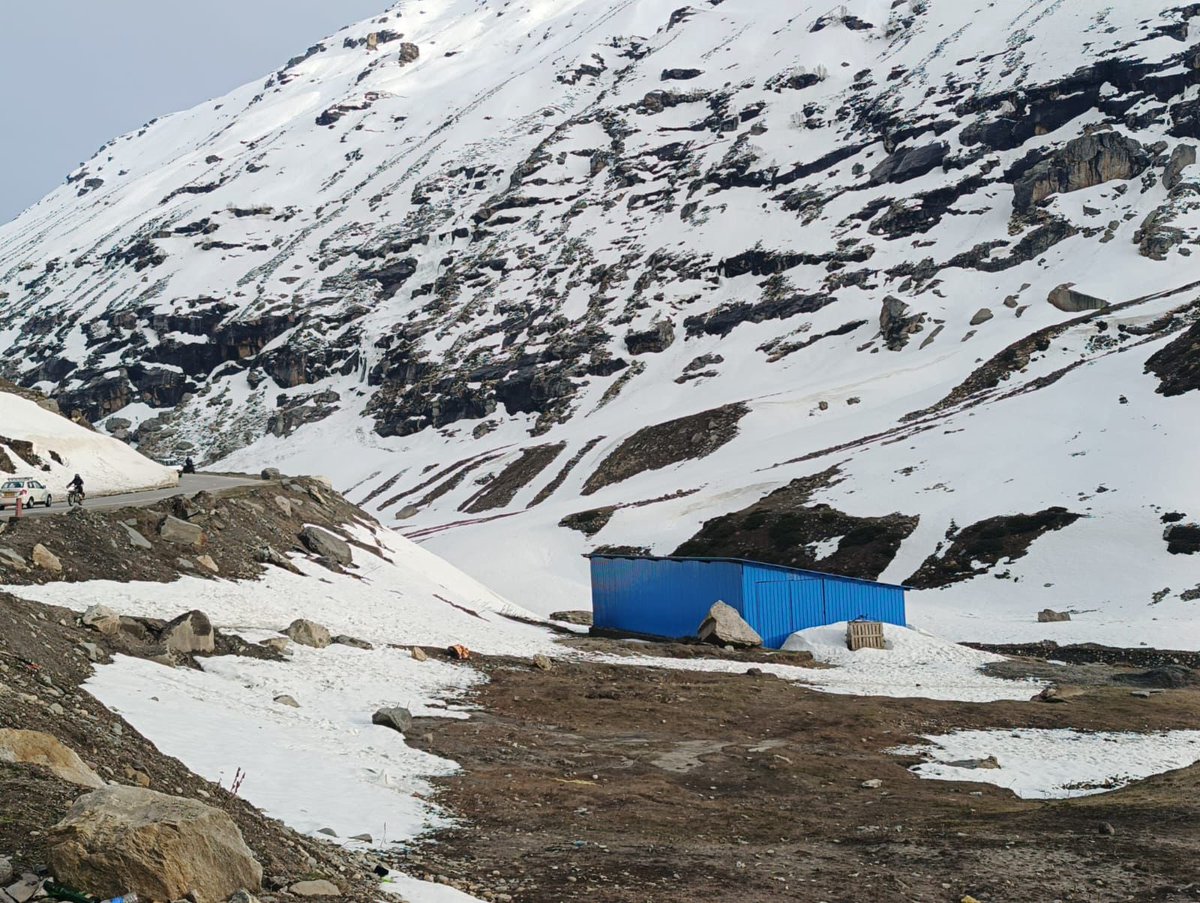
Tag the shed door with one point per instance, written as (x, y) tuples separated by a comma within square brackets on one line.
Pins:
[(778, 608)]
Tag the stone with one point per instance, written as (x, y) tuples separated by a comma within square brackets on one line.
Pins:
[(6, 871), (189, 633), (1050, 616), (1081, 163), (271, 473), (102, 619), (363, 838), (989, 762), (206, 562), (12, 561), (136, 539), (655, 340), (326, 545), (1183, 156), (397, 718), (581, 618), (185, 564), (909, 163), (308, 633), (286, 700), (420, 654), (318, 888), (283, 505), (278, 643), (36, 748), (1065, 298), (542, 662), (119, 840), (243, 896), (981, 316), (725, 627), (92, 651), (139, 778), (323, 481), (46, 560), (872, 784), (181, 532), (354, 642), (1107, 828), (897, 323)]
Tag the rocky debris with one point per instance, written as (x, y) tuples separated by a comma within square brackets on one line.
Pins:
[(654, 447), (909, 163), (316, 888), (654, 340), (1082, 163), (45, 559), (582, 618), (37, 748), (897, 324), (1049, 616), (180, 532), (120, 839), (308, 633), (190, 633), (136, 539), (1065, 298), (725, 627), (1177, 365), (325, 545), (276, 643), (589, 522), (268, 555), (397, 718), (101, 619), (1183, 539), (286, 700), (976, 548), (1183, 156), (342, 640)]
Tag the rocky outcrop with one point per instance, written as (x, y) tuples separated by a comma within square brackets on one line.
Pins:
[(180, 532), (1183, 156), (325, 545), (189, 633), (1082, 163), (36, 748), (397, 718), (909, 163), (725, 627), (1183, 539), (657, 339), (120, 840), (1177, 365), (897, 324)]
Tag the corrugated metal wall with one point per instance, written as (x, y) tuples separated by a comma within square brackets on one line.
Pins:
[(669, 597), (661, 597)]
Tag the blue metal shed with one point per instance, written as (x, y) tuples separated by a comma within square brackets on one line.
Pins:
[(669, 597)]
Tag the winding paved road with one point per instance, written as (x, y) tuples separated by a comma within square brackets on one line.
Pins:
[(189, 484)]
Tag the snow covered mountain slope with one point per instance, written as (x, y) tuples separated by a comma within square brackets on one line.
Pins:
[(37, 441), (893, 289)]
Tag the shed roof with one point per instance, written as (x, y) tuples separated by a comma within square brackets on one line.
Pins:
[(747, 561)]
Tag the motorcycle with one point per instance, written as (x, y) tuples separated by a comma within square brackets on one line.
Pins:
[(75, 498)]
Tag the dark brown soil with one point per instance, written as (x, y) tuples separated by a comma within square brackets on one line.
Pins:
[(974, 549), (663, 444), (780, 527), (610, 783)]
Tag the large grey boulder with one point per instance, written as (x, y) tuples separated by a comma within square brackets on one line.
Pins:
[(397, 718), (120, 839), (323, 543), (102, 619), (36, 748), (1066, 299), (136, 539), (191, 632), (181, 532), (1050, 616), (725, 627), (46, 560), (308, 633)]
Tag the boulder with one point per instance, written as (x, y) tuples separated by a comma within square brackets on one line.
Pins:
[(981, 316), (1050, 616), (118, 840), (191, 632), (181, 532), (1183, 156), (325, 544), (656, 339), (271, 473), (36, 748), (1065, 298), (102, 619), (318, 888), (46, 560), (910, 163), (136, 539), (12, 561), (6, 870), (1081, 163), (897, 323), (342, 640), (284, 699), (206, 562), (395, 717), (284, 506), (542, 662), (725, 627), (308, 633), (278, 643), (420, 654)]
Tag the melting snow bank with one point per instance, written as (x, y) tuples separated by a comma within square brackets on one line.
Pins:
[(414, 890), (915, 665), (1054, 764)]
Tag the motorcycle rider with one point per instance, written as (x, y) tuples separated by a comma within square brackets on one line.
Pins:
[(76, 485), (189, 466)]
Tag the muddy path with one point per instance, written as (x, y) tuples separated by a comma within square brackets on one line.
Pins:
[(617, 783)]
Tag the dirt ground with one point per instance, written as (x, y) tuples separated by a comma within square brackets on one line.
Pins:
[(614, 783)]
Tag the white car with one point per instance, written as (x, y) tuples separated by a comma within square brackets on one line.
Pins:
[(30, 491)]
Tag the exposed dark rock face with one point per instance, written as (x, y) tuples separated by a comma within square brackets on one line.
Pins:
[(1177, 366), (897, 324), (1081, 163), (975, 549), (589, 522), (1183, 539), (1183, 156), (516, 476), (680, 75), (786, 528), (651, 341), (655, 447), (910, 163)]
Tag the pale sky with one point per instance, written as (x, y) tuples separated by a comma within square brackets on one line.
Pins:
[(75, 73)]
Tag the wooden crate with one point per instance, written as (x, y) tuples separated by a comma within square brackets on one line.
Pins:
[(865, 635)]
